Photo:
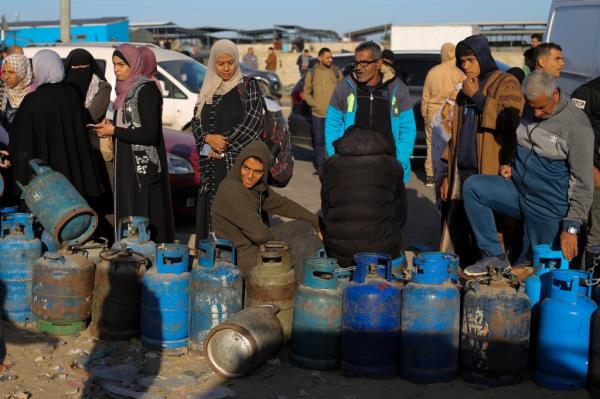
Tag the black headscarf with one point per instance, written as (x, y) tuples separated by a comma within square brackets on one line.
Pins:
[(80, 78)]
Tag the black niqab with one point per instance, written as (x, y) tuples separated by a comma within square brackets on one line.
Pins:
[(80, 78)]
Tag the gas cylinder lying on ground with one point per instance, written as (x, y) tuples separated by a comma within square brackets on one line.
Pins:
[(495, 331), (244, 342), (273, 281), (216, 289), (317, 322)]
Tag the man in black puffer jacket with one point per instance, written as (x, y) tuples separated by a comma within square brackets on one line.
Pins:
[(363, 198)]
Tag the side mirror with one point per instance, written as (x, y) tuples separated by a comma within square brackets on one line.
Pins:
[(163, 88)]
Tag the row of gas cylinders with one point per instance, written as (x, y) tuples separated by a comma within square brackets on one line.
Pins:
[(137, 286), (375, 327)]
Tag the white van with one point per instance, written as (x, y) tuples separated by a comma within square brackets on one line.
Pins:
[(181, 76), (575, 26)]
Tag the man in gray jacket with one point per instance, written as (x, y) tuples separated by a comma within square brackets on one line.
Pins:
[(549, 183)]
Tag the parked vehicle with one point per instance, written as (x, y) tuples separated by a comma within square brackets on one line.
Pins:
[(269, 81), (411, 67), (580, 45)]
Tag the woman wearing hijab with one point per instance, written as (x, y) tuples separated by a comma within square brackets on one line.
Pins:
[(150, 69), (84, 73), (228, 116), (16, 74), (141, 171), (50, 125)]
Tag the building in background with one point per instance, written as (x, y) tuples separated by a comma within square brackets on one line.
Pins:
[(105, 29)]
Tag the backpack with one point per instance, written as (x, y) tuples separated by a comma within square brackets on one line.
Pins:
[(276, 136)]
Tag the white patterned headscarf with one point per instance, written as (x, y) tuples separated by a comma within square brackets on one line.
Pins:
[(213, 84), (20, 64), (48, 67)]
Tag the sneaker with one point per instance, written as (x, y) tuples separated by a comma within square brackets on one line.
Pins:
[(429, 181), (480, 268)]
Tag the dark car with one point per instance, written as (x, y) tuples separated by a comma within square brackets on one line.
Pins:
[(184, 176), (411, 67), (269, 81)]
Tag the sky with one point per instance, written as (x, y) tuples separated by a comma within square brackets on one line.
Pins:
[(339, 15)]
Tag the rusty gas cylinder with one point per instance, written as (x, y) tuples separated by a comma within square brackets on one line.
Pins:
[(272, 281), (117, 294), (63, 283)]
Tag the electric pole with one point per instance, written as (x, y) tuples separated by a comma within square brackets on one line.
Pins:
[(65, 21)]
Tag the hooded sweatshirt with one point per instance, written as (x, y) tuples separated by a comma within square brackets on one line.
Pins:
[(237, 209), (441, 80), (473, 106), (363, 198)]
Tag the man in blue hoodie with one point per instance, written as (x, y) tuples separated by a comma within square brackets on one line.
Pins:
[(549, 184), (486, 115), (373, 98)]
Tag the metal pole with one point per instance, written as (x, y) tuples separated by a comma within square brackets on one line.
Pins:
[(65, 21), (4, 26)]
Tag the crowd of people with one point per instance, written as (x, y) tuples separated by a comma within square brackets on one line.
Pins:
[(514, 161)]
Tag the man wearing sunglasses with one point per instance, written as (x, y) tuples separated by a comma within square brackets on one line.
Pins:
[(373, 98)]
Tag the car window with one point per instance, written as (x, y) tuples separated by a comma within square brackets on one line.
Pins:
[(188, 72), (414, 71), (579, 45), (173, 91)]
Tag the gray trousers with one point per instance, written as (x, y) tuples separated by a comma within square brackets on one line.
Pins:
[(594, 221)]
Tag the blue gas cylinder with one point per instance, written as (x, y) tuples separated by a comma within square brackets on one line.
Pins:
[(453, 262), (537, 285), (430, 322), (166, 299), (564, 334), (371, 319), (58, 205), (216, 288), (19, 250), (134, 232), (317, 320)]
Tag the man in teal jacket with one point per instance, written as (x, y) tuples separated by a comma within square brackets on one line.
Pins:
[(373, 98)]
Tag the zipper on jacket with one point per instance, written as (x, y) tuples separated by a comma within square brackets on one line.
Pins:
[(371, 111)]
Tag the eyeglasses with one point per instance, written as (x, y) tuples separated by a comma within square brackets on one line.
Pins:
[(363, 64)]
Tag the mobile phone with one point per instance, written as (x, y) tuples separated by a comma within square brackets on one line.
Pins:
[(90, 126)]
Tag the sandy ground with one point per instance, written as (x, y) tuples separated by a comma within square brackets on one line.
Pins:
[(39, 366)]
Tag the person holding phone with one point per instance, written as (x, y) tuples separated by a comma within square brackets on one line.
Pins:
[(141, 170), (228, 116)]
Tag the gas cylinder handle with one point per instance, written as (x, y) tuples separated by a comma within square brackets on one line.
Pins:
[(39, 166), (134, 224), (54, 256), (77, 248), (271, 307)]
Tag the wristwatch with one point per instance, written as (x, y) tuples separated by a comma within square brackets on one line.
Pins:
[(572, 230)]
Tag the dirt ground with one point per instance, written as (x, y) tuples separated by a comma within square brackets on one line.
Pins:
[(39, 366)]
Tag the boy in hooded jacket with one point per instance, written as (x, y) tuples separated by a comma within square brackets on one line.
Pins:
[(486, 115)]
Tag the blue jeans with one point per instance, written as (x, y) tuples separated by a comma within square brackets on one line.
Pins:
[(318, 133), (484, 194)]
